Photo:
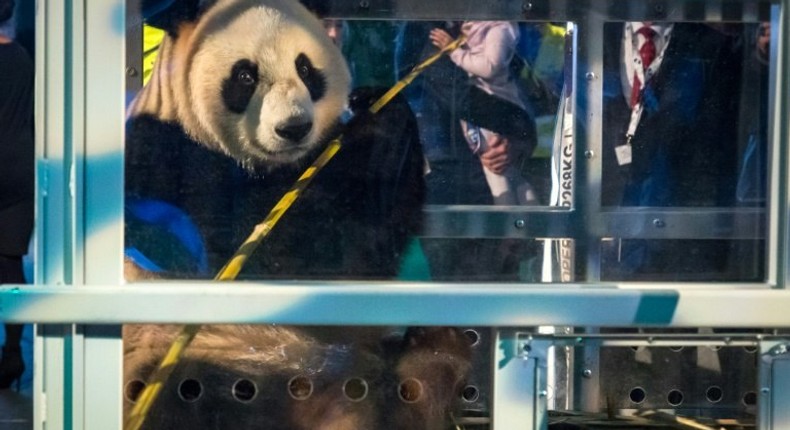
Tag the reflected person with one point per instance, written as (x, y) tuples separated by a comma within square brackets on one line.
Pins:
[(669, 137), (486, 56), (16, 177)]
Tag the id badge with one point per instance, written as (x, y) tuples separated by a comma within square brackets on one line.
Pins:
[(623, 153)]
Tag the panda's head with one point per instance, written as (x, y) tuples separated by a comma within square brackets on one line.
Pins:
[(256, 79)]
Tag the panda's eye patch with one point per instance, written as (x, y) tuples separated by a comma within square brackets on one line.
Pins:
[(312, 78), (240, 85)]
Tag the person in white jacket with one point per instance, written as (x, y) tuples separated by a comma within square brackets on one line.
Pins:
[(486, 56)]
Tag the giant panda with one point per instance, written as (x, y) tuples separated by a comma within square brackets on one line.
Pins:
[(244, 94)]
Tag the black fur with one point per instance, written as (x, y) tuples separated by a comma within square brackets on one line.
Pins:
[(318, 7), (167, 15)]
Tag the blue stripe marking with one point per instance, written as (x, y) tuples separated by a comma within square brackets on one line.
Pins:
[(657, 307)]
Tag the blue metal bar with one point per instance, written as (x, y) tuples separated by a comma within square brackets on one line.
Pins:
[(398, 304)]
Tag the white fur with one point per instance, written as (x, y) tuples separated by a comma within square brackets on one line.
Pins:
[(187, 82)]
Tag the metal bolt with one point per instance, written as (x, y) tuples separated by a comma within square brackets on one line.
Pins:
[(543, 393), (520, 223), (526, 348), (589, 154), (526, 6), (364, 4), (590, 76), (659, 223), (587, 373), (765, 390), (131, 71), (658, 8)]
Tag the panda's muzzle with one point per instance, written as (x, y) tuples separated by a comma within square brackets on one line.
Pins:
[(294, 131)]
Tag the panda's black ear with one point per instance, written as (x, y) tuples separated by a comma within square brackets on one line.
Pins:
[(168, 15), (319, 7)]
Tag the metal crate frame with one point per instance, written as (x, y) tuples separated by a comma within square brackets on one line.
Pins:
[(79, 298)]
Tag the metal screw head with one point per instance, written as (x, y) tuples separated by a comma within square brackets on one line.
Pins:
[(587, 373), (364, 4), (543, 393), (526, 6), (765, 390), (659, 223), (520, 223), (131, 71), (590, 76), (589, 154)]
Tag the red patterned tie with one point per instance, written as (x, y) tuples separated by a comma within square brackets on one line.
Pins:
[(648, 54)]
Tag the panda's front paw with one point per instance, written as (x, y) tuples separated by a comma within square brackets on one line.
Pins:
[(362, 98), (431, 372), (448, 340), (392, 126)]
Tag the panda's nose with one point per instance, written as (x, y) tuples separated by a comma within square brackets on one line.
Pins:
[(294, 131)]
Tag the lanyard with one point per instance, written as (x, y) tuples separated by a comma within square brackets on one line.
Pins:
[(633, 65)]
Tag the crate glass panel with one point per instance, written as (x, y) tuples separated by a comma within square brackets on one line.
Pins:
[(546, 124)]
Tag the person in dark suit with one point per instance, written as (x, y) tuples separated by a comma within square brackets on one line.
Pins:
[(683, 147), (670, 115), (16, 178)]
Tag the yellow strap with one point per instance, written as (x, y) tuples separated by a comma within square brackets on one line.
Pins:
[(160, 376), (400, 85), (235, 264), (233, 267)]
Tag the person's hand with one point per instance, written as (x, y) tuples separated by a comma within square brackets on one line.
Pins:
[(497, 157), (440, 38)]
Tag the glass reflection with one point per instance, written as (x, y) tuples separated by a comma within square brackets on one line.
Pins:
[(685, 113), (684, 125)]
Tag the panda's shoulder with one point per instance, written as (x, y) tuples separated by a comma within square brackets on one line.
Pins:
[(162, 161), (147, 130), (161, 141)]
